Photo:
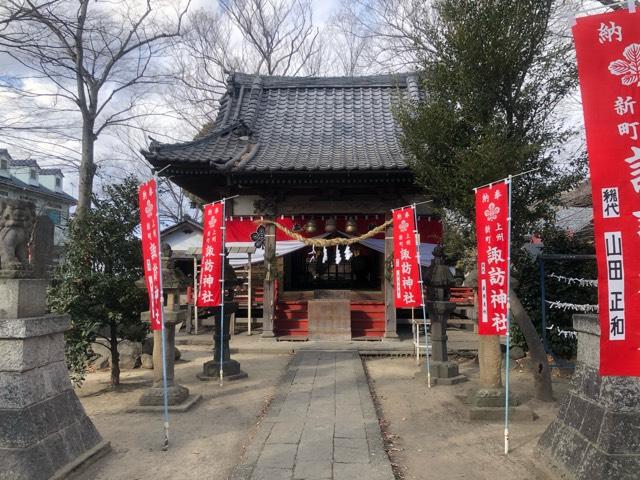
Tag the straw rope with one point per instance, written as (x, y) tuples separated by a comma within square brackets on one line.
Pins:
[(323, 242)]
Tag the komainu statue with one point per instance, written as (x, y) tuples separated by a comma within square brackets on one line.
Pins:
[(17, 219)]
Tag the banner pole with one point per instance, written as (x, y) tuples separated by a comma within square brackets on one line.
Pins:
[(506, 397), (223, 257), (424, 307), (165, 393)]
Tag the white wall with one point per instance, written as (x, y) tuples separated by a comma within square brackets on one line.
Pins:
[(180, 240)]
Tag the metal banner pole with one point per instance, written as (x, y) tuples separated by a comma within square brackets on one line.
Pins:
[(424, 306), (165, 394), (249, 297), (222, 256), (506, 397), (195, 291)]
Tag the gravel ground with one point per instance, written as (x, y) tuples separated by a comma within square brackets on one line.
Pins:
[(429, 437), (206, 442)]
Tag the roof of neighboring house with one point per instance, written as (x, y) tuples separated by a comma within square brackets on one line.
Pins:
[(24, 163), (289, 124), (580, 196), (186, 223), (15, 183), (51, 171)]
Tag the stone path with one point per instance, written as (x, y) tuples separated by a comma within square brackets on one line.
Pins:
[(322, 425)]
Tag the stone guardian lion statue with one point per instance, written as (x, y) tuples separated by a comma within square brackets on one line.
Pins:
[(17, 219)]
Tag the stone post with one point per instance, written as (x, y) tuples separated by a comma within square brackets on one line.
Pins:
[(488, 400), (391, 329), (596, 435), (268, 302)]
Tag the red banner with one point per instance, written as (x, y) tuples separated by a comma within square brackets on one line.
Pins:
[(210, 290), (608, 54), (406, 268), (149, 223), (492, 235)]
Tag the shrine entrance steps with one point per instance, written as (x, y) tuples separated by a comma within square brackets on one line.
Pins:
[(367, 319), (321, 425)]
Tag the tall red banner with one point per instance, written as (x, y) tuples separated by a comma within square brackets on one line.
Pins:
[(406, 268), (608, 54), (150, 225), (211, 267), (492, 234)]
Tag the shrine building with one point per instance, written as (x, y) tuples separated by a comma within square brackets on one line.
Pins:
[(322, 157)]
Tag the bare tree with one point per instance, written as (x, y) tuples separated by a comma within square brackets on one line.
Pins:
[(97, 59), (272, 37), (349, 42), (279, 34), (393, 31)]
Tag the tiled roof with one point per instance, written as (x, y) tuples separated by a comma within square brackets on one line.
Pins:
[(300, 124)]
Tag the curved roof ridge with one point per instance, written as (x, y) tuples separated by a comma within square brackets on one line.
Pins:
[(154, 144), (274, 81)]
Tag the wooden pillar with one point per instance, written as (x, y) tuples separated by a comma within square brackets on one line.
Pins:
[(268, 303), (390, 330)]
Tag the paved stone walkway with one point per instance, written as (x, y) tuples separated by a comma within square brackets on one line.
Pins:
[(322, 425)]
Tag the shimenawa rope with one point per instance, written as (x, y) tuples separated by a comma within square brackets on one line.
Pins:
[(323, 242)]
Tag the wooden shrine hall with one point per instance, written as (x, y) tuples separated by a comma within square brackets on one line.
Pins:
[(322, 157)]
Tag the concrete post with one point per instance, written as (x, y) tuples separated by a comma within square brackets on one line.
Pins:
[(268, 302)]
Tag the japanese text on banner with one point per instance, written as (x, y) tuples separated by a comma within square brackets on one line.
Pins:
[(607, 50), (210, 292), (148, 201), (406, 269), (492, 214)]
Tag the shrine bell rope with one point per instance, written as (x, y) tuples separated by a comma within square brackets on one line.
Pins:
[(324, 242)]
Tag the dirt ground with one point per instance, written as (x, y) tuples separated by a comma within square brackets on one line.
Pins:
[(429, 436), (206, 442)]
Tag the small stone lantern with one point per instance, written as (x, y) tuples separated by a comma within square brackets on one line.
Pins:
[(173, 283), (230, 368), (439, 281)]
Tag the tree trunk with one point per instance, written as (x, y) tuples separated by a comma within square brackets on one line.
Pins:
[(87, 168), (539, 367), (115, 356)]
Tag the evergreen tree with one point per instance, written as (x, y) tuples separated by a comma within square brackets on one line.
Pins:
[(494, 76), (95, 284)]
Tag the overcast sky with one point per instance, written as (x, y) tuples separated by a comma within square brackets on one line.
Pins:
[(114, 144)]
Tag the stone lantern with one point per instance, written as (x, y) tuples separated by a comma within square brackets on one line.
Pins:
[(173, 283), (439, 281), (230, 368)]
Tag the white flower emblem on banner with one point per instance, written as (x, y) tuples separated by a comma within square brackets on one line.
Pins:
[(492, 212), (629, 68)]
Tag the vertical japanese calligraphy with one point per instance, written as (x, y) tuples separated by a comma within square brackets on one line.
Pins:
[(492, 233), (210, 291), (150, 229), (406, 269), (608, 54)]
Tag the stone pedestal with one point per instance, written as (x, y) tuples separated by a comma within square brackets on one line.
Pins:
[(596, 434), (178, 396), (329, 319), (44, 430), (230, 368)]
